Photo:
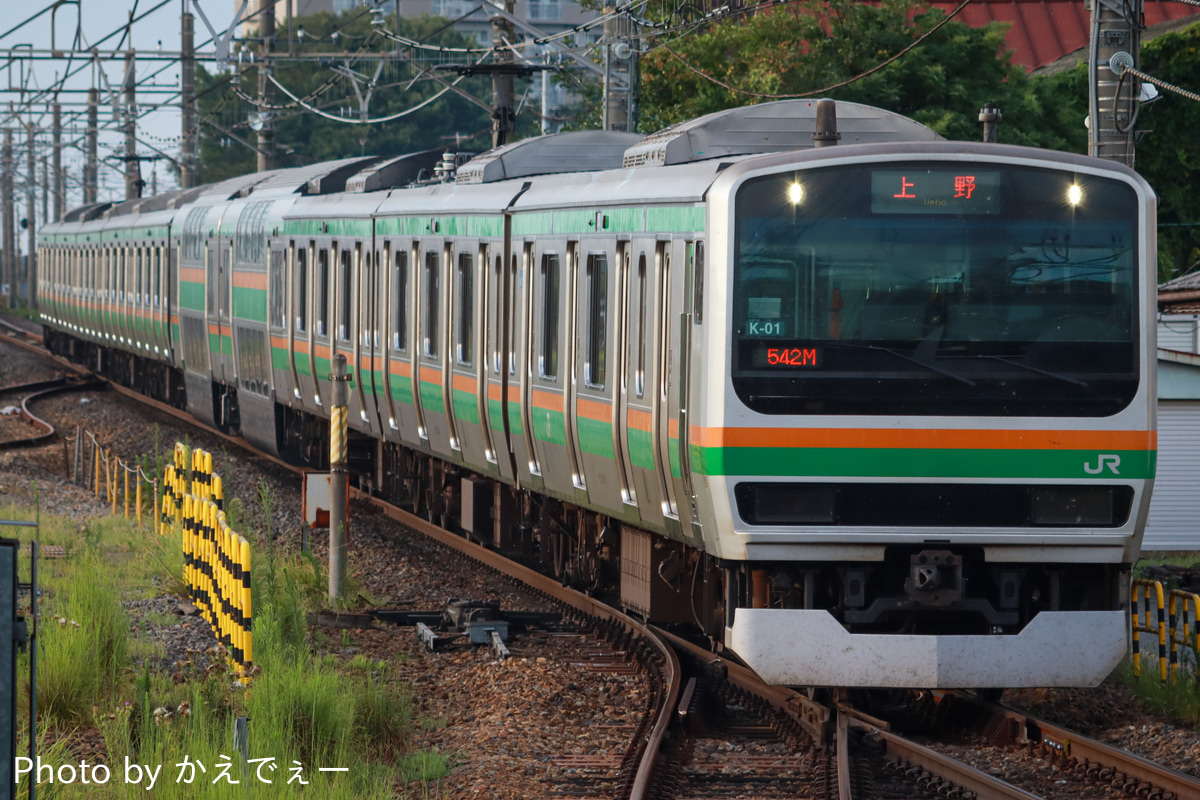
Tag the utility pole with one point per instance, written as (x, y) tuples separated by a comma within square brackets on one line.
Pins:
[(6, 208), (91, 172), (187, 62), (31, 215), (45, 190), (1115, 35), (620, 68), (503, 113), (133, 170), (266, 89), (60, 183)]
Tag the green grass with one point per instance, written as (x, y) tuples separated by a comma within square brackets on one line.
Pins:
[(322, 712)]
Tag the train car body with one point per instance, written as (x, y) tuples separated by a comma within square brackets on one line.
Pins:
[(879, 414)]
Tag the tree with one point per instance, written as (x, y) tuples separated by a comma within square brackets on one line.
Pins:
[(806, 47), (1169, 155), (303, 137)]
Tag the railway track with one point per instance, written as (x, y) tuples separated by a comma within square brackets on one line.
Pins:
[(732, 735), (20, 427)]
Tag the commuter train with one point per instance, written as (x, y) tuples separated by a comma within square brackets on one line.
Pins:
[(878, 414)]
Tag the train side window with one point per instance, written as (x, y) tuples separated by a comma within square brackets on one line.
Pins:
[(640, 374), (158, 251), (400, 301), (496, 323), (432, 296), (513, 317), (322, 292), (345, 298), (466, 308), (698, 284), (300, 280), (278, 287), (548, 360), (597, 278)]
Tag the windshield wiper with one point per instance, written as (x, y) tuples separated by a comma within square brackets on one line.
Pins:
[(904, 356), (1047, 373)]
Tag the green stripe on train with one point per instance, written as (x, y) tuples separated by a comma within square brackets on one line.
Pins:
[(466, 408), (918, 462), (250, 303)]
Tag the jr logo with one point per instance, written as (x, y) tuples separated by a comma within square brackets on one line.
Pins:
[(1110, 460)]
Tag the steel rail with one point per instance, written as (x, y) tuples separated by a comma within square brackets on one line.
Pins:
[(1082, 749), (812, 716), (985, 786), (42, 389)]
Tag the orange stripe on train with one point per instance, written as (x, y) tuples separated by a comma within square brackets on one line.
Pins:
[(924, 438)]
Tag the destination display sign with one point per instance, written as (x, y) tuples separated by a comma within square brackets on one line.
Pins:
[(928, 191)]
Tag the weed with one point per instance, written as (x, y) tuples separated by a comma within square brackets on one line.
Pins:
[(346, 640), (424, 767), (1177, 698), (382, 715)]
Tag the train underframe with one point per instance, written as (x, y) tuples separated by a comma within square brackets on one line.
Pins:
[(915, 590)]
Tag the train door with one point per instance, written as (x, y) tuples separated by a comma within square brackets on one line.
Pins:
[(664, 353), (496, 346), (595, 377), (551, 364), (324, 261), (220, 265), (469, 384), (401, 316), (371, 311), (673, 388), (354, 329), (419, 313), (621, 348), (430, 366), (293, 304), (520, 371), (451, 263)]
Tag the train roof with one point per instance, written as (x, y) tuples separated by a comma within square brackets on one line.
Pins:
[(575, 151), (769, 128)]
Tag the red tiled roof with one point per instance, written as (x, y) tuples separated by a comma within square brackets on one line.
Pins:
[(1045, 30)]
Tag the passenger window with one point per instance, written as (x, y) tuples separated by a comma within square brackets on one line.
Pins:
[(345, 298), (548, 359), (300, 280), (496, 323), (322, 292), (432, 296), (698, 284), (278, 286), (466, 307), (597, 281), (640, 375), (400, 301), (157, 277)]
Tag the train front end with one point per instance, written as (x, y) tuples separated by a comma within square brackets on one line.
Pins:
[(923, 429)]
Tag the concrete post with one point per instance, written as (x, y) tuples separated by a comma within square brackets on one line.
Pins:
[(338, 477)]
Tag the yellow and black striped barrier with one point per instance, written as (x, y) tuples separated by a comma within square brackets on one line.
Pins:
[(1158, 626), (216, 560), (1166, 617), (1180, 600)]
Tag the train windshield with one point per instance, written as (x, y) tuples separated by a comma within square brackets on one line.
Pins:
[(935, 288)]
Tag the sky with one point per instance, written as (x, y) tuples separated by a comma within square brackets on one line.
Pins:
[(97, 19)]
